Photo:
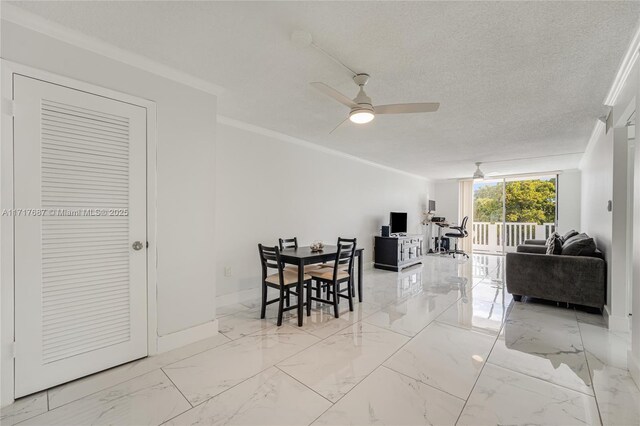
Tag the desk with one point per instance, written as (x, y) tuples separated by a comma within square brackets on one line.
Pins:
[(440, 225), (304, 256)]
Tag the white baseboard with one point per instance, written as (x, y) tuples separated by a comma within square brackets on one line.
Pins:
[(185, 337), (238, 297), (634, 368), (616, 322)]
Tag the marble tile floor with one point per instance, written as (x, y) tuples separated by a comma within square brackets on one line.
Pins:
[(440, 344)]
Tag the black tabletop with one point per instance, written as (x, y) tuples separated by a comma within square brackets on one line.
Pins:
[(305, 253)]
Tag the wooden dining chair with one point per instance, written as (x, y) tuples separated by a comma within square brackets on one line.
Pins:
[(286, 243), (334, 277), (283, 281)]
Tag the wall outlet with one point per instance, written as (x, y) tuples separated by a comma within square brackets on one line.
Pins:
[(227, 271)]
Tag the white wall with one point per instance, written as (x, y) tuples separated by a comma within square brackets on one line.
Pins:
[(186, 122), (630, 230), (569, 199), (447, 199), (634, 353), (604, 178), (270, 187), (618, 303), (597, 190)]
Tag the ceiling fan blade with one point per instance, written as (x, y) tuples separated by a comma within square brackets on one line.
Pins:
[(407, 108), (333, 93), (340, 124)]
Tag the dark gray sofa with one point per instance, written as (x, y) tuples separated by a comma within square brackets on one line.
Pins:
[(579, 280)]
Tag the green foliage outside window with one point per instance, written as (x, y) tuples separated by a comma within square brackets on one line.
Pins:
[(530, 201)]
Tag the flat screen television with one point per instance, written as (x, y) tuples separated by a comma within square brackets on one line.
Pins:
[(398, 222)]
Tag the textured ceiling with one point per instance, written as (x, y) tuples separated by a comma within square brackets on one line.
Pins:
[(515, 79)]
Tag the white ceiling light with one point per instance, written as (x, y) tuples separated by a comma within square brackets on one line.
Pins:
[(361, 116), (478, 173)]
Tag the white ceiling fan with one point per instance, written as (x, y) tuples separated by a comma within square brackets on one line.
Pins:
[(362, 109), (478, 174)]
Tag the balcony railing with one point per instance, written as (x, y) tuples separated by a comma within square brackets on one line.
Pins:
[(487, 237)]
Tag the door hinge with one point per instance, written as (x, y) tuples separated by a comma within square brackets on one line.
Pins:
[(13, 349), (9, 107)]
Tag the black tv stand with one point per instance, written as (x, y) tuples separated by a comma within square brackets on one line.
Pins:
[(396, 253)]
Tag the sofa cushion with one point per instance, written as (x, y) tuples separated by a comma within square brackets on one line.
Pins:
[(568, 235), (535, 242), (531, 248), (582, 246), (554, 244), (581, 236)]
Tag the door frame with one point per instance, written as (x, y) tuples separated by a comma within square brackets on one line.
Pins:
[(7, 255), (503, 180)]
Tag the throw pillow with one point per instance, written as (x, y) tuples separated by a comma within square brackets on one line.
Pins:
[(554, 244), (575, 238), (568, 235), (579, 247)]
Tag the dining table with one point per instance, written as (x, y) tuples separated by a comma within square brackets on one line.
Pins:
[(304, 255)]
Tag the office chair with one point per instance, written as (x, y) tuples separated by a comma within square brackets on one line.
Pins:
[(460, 232)]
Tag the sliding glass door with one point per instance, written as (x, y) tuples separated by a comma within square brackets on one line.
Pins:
[(488, 215), (508, 211)]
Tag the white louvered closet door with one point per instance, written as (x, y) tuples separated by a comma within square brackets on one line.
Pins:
[(80, 287)]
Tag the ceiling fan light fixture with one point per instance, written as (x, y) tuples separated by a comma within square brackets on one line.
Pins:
[(361, 116), (361, 108), (478, 174)]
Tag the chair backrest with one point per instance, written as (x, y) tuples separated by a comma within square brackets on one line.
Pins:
[(463, 227), (270, 258), (344, 256), (286, 243)]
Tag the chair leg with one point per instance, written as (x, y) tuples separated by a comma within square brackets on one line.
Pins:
[(336, 299), (288, 297), (354, 288), (318, 289), (350, 295), (280, 306), (263, 311), (309, 288)]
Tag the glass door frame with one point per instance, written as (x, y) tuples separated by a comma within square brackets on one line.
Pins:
[(513, 178)]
